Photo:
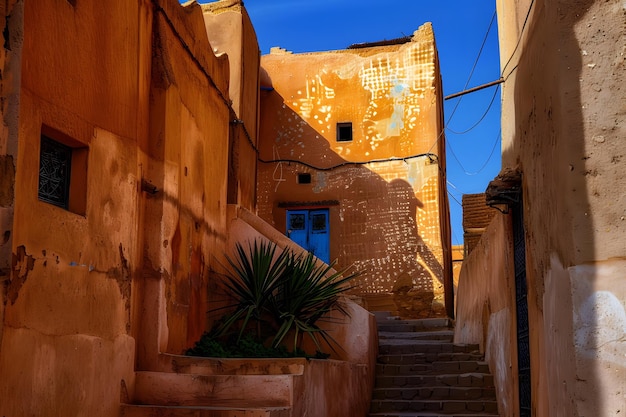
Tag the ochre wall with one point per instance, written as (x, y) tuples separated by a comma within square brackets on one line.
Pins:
[(231, 32), (67, 338), (98, 292), (485, 310), (384, 215), (10, 58), (563, 127)]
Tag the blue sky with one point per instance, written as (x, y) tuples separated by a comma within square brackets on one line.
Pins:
[(472, 125)]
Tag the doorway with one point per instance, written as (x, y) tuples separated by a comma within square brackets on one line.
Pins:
[(310, 229)]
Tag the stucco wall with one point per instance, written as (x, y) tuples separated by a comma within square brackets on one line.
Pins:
[(485, 311), (386, 217), (230, 31), (563, 128), (66, 340), (100, 289)]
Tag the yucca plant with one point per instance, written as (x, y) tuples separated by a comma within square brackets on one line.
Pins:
[(285, 294), (306, 294), (255, 275)]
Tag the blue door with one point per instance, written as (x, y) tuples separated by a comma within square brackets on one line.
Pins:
[(310, 229)]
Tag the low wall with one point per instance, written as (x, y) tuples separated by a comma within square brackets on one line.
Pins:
[(486, 307), (344, 382), (334, 389)]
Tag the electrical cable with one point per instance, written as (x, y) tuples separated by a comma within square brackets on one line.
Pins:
[(434, 158), (470, 174), (519, 40), (495, 93), (480, 51), (467, 82)]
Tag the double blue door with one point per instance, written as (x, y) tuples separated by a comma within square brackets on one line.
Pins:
[(309, 229)]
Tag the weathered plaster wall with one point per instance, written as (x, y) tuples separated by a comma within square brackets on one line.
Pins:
[(187, 160), (102, 288), (230, 31), (387, 220), (563, 127), (10, 59), (66, 338), (485, 311)]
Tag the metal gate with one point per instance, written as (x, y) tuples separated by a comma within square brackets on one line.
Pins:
[(521, 292)]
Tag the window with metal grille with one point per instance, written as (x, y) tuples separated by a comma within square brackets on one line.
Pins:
[(55, 164), (62, 171)]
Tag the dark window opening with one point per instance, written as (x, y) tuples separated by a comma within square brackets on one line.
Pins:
[(344, 132), (296, 221), (62, 171), (55, 164), (318, 222), (304, 178)]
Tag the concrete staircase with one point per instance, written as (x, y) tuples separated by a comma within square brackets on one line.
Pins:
[(204, 387), (420, 372)]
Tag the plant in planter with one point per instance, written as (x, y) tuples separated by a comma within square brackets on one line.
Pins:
[(279, 296)]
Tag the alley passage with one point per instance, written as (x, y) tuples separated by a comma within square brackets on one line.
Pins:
[(421, 373)]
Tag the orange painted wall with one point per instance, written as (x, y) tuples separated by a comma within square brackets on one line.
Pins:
[(384, 215), (231, 32), (99, 290)]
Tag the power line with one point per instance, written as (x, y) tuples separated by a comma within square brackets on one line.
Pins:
[(480, 51), (468, 80), (519, 40), (495, 93)]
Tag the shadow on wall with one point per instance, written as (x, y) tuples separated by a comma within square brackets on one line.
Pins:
[(376, 216), (551, 149)]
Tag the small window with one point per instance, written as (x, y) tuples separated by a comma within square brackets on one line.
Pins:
[(62, 172), (296, 222), (55, 164), (344, 132), (304, 178)]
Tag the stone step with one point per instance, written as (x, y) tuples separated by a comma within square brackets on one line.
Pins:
[(128, 410), (434, 393), (447, 380), (429, 358), (252, 391), (441, 335), (456, 407), (415, 325), (447, 367), (393, 346), (230, 366), (427, 414)]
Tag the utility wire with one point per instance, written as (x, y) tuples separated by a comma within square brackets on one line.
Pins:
[(480, 51), (493, 148), (467, 82), (519, 40), (495, 93)]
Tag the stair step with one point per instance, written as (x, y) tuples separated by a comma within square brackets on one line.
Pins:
[(426, 414), (447, 380), (441, 335), (128, 410), (434, 393), (436, 406), (161, 388), (426, 358), (231, 366), (415, 325), (449, 367), (393, 346)]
